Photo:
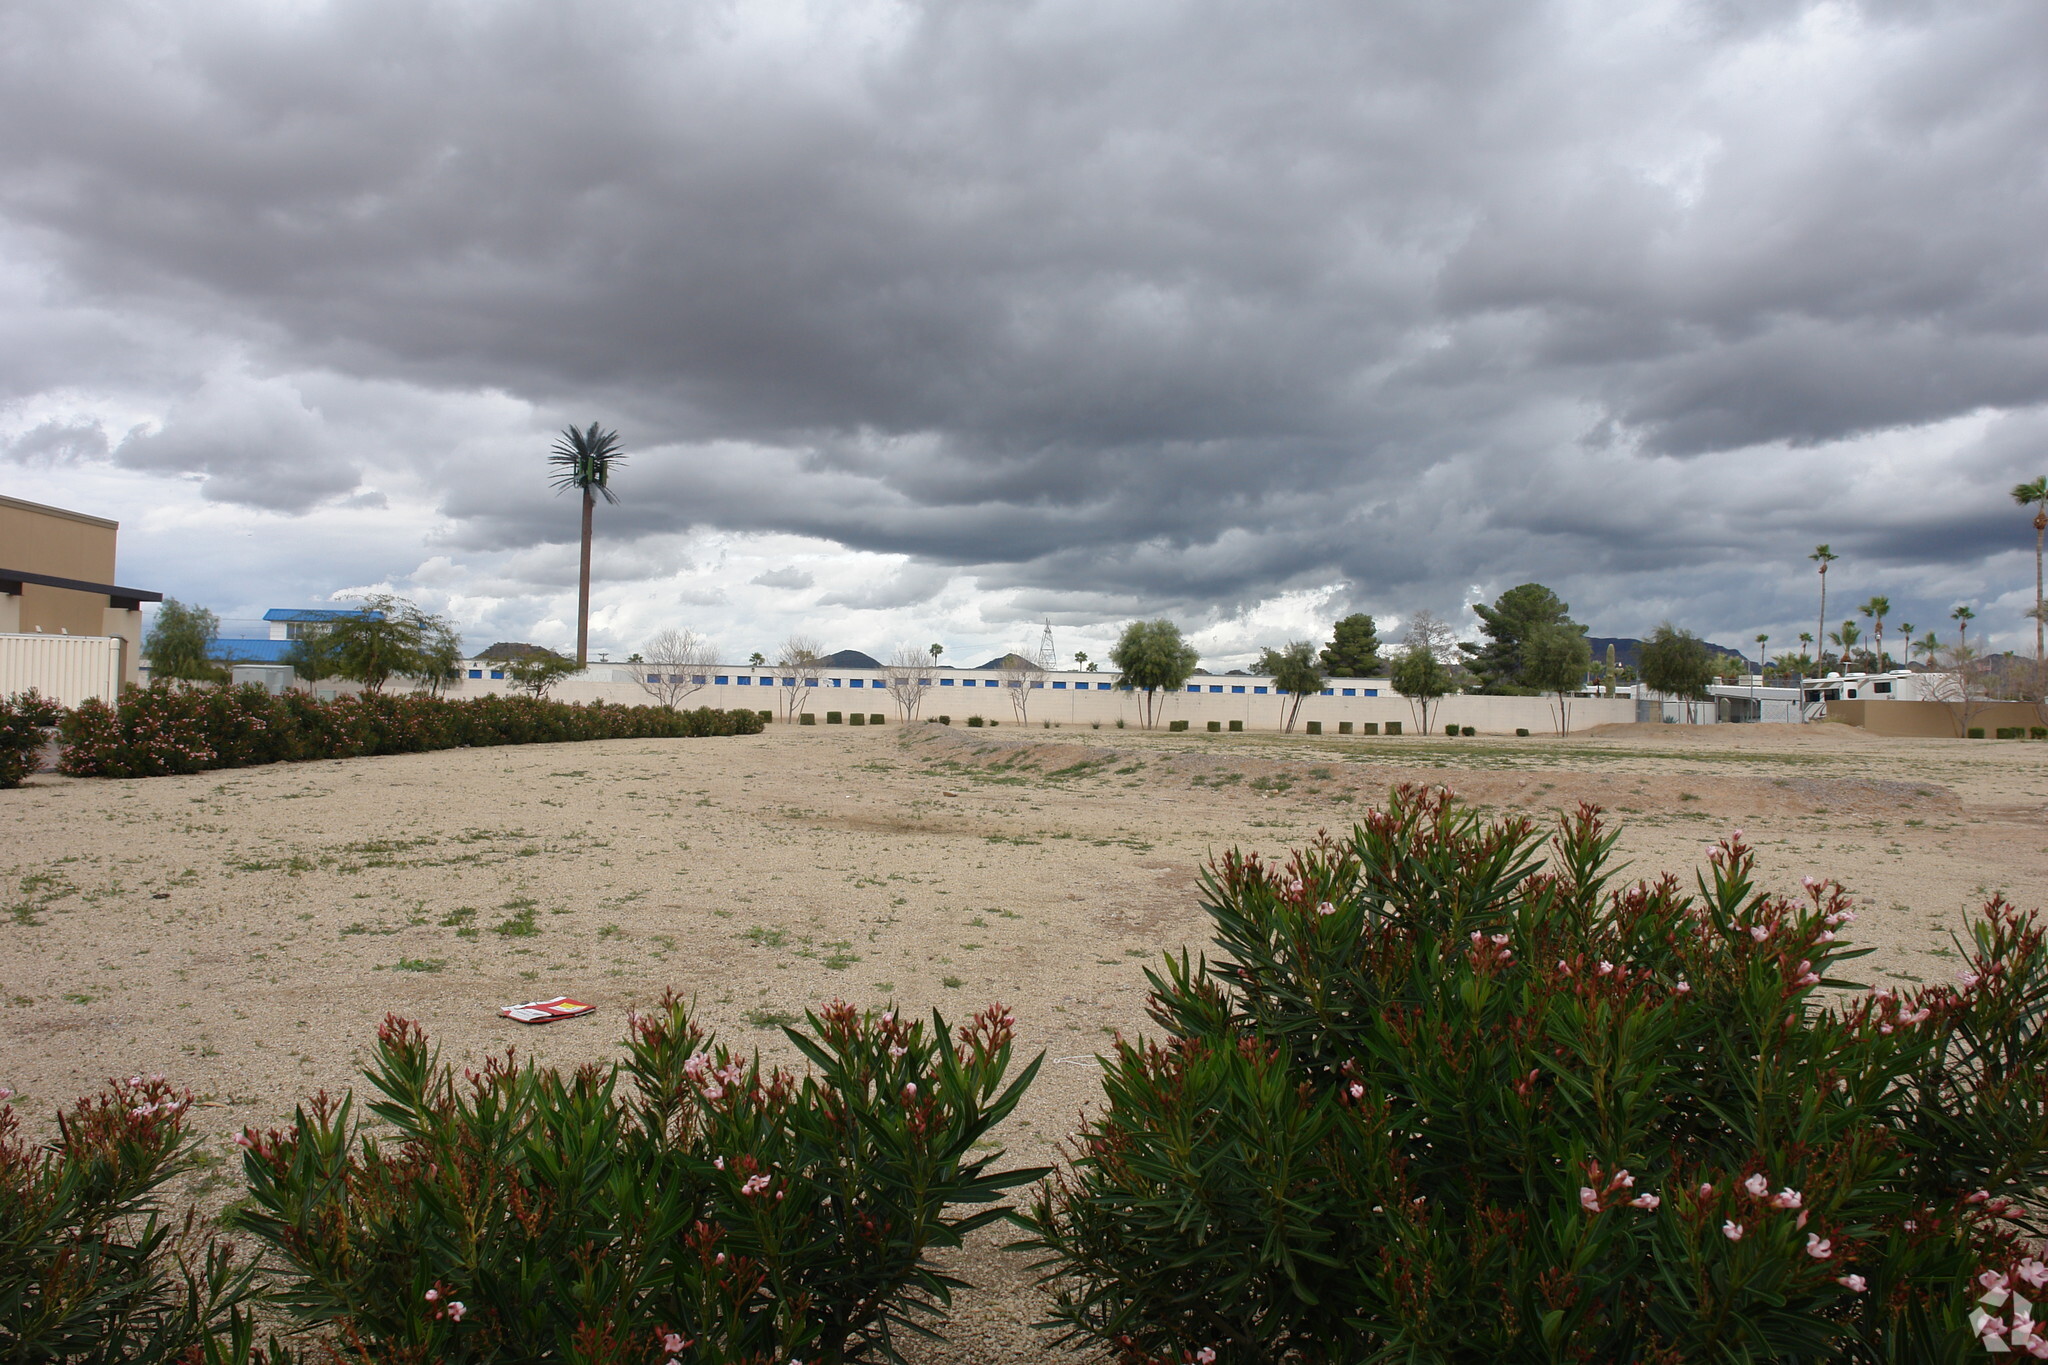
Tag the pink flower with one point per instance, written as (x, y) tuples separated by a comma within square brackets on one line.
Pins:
[(1645, 1201), (1787, 1198), (1809, 882), (1683, 987), (1706, 1190), (1757, 1186), (1819, 1247), (755, 1184), (244, 1140), (1605, 966), (456, 1310), (1976, 1197), (1855, 1284), (1323, 909), (1205, 1356), (1500, 940), (909, 1091), (1588, 1200), (1357, 1091), (433, 1296), (1994, 1281), (1732, 1230), (1968, 978), (1758, 932), (719, 1162), (2033, 1272)]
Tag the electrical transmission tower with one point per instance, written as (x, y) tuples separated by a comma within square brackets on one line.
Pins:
[(1048, 658)]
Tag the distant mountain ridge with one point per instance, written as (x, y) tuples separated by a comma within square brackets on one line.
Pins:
[(1628, 649)]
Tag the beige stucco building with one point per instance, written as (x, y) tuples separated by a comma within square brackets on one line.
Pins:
[(57, 578)]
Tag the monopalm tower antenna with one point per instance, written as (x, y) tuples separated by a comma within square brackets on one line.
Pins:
[(1048, 658)]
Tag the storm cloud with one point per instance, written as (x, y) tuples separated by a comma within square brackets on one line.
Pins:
[(939, 319)]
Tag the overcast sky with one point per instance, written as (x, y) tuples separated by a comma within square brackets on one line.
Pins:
[(931, 321)]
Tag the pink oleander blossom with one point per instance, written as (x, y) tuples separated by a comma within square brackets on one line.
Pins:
[(1855, 1284), (1757, 1186), (1819, 1247), (1732, 1230)]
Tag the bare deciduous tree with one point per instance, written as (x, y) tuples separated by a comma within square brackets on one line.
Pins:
[(902, 675), (797, 667), (1960, 686), (673, 666), (1020, 678)]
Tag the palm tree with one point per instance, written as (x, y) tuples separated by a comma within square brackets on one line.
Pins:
[(1806, 647), (1823, 556), (1928, 644), (1962, 616), (583, 461), (935, 651), (1877, 608), (2035, 495), (1761, 641), (1846, 637)]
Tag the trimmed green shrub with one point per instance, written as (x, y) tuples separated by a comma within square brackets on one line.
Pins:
[(1236, 726), (2011, 732), (1445, 1094), (1976, 732), (1176, 725), (163, 729), (974, 722), (766, 716), (23, 719), (856, 718), (714, 1210), (89, 1269), (1345, 727), (1315, 727), (1521, 732), (2037, 732), (1215, 727), (807, 718), (1393, 727), (1372, 727), (1468, 732), (1451, 730), (876, 718), (944, 720), (834, 718)]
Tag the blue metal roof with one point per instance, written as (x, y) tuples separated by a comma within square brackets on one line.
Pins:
[(313, 613), (249, 651)]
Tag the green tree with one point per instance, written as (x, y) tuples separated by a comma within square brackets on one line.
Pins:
[(1422, 678), (757, 658), (386, 637), (1354, 648), (1876, 609), (583, 461), (1153, 657), (1962, 616), (1845, 640), (2035, 495), (1296, 674), (1823, 556), (179, 640), (1928, 644), (1761, 641), (1507, 624), (1555, 659), (1676, 663), (536, 673)]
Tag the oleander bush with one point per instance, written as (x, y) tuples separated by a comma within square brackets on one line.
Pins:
[(1448, 1095), (164, 728), (23, 718), (90, 1269), (691, 1206)]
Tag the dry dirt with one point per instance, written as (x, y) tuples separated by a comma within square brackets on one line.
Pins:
[(243, 932)]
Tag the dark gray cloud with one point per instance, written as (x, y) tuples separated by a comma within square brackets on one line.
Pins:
[(1115, 309)]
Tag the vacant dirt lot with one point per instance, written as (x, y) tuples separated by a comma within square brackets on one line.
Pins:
[(243, 932)]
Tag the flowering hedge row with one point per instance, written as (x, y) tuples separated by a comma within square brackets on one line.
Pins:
[(1443, 1098), (23, 718), (163, 729)]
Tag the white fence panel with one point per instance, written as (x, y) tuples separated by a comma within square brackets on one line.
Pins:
[(65, 668)]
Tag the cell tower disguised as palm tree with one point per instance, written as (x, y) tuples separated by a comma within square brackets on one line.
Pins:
[(2035, 495), (1823, 556), (583, 460)]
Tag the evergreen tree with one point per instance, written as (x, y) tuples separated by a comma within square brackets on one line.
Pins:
[(1676, 663), (179, 640), (1151, 657), (1354, 649), (1520, 612)]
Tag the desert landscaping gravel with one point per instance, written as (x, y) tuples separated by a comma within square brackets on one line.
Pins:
[(243, 932)]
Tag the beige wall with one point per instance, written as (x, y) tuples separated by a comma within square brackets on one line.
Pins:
[(64, 544), (1934, 719)]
